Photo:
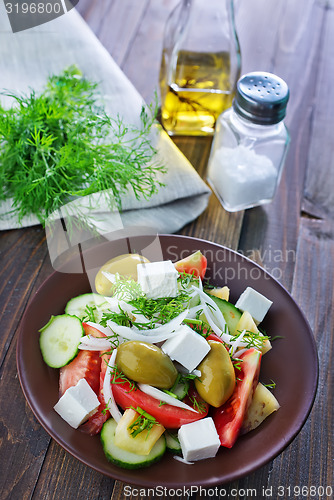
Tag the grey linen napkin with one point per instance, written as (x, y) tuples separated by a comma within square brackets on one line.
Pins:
[(27, 58)]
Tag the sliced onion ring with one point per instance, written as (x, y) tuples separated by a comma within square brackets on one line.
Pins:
[(162, 332), (99, 327), (107, 390), (162, 396), (94, 343), (216, 313)]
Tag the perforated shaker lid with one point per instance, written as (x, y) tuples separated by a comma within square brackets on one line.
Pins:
[(261, 98)]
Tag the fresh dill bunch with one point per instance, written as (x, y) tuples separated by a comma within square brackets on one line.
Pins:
[(61, 145)]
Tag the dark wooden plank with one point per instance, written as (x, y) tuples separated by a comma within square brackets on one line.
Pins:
[(319, 185), (23, 440), (114, 23), (273, 229), (142, 62), (290, 43), (309, 459), (63, 476), (22, 254)]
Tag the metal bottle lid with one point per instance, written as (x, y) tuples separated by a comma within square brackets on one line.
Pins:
[(261, 98)]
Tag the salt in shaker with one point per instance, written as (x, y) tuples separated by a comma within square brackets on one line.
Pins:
[(250, 143)]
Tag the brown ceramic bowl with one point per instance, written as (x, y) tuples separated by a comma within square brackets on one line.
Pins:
[(283, 364)]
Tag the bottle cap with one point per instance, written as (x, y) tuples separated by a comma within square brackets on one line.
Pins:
[(261, 98)]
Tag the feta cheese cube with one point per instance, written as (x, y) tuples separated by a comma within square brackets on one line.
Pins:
[(186, 347), (158, 279), (255, 303), (77, 404), (199, 440)]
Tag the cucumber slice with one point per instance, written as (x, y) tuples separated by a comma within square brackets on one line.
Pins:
[(77, 305), (59, 340), (127, 459), (172, 442), (195, 299), (180, 388), (231, 313)]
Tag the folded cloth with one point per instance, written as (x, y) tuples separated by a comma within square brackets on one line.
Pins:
[(27, 58)]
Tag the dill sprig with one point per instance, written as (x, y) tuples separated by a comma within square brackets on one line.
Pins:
[(271, 385), (118, 377), (199, 406), (61, 145), (90, 314), (124, 288), (160, 310), (144, 422), (156, 311), (251, 339)]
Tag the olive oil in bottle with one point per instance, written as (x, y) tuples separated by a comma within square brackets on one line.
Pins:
[(200, 66), (200, 92)]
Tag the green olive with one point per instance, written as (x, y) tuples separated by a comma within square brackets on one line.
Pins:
[(124, 265), (146, 363), (217, 380)]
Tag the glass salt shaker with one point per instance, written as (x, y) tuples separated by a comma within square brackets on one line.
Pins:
[(250, 143)]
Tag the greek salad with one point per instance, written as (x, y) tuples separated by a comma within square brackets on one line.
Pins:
[(158, 359)]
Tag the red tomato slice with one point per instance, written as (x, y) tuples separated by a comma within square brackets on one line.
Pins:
[(169, 416), (213, 336), (195, 263), (94, 424), (86, 364), (228, 418)]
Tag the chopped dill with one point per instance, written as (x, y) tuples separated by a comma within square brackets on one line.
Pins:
[(160, 310), (90, 312), (124, 288), (121, 318), (170, 393), (272, 385), (143, 422), (199, 406), (198, 326), (118, 377), (251, 339)]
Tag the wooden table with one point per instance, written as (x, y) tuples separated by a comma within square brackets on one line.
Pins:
[(293, 238)]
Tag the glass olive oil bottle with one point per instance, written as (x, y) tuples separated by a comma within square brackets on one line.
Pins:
[(200, 66)]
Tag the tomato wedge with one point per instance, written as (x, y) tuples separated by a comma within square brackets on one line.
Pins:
[(86, 364), (94, 424), (169, 416), (195, 264), (228, 418)]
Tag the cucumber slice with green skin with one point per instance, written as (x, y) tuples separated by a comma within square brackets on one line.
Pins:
[(127, 459), (195, 299), (59, 340), (173, 443), (77, 305), (231, 313), (180, 388)]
